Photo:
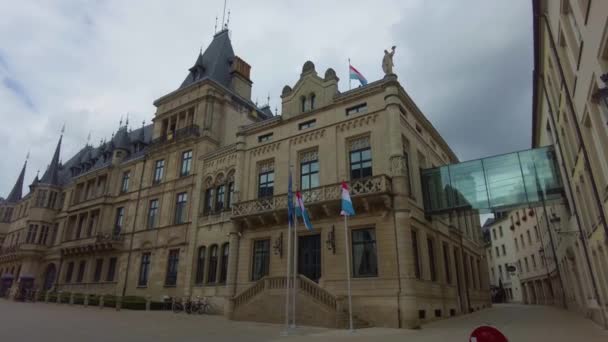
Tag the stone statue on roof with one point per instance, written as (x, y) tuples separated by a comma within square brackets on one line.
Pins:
[(387, 61)]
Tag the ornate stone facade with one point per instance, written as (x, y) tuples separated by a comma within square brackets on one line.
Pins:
[(195, 204)]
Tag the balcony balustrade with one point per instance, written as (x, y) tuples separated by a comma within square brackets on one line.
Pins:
[(97, 243), (179, 134), (321, 200)]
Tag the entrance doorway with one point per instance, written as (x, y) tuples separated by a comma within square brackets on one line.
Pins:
[(309, 256), (49, 277)]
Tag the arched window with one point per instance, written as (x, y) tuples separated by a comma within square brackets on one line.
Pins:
[(220, 193), (200, 265), (303, 103), (224, 264), (230, 192), (212, 275), (312, 101), (208, 204)]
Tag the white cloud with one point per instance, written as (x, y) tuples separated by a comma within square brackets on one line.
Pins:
[(87, 63)]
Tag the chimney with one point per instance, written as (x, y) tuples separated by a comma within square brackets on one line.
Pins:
[(239, 78)]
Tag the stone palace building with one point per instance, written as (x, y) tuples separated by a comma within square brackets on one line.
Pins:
[(195, 204)]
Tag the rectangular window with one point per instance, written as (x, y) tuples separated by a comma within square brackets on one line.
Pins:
[(68, 273), (446, 262), (406, 159), (186, 163), (261, 259), (536, 233), (266, 180), (500, 230), (111, 269), (365, 258), (504, 250), (81, 268), (118, 223), (212, 269), (497, 251), (180, 208), (309, 170), (529, 237), (44, 232), (200, 265), (516, 245), (307, 124), (416, 252), (144, 270), (500, 272), (265, 138), (124, 187), (494, 233), (527, 265), (360, 159), (98, 268), (533, 261), (360, 108), (172, 264), (159, 170), (431, 248), (220, 194), (152, 213)]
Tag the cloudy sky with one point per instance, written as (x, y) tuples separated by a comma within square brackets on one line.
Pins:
[(467, 64)]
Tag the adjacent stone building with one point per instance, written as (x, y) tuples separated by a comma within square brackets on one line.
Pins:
[(570, 111), (195, 204)]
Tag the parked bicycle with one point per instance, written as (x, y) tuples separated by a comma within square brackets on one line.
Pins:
[(198, 306)]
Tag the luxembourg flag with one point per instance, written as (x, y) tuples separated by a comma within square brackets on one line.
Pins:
[(354, 74), (347, 204), (302, 212)]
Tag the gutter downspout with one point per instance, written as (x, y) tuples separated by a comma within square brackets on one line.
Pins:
[(141, 181)]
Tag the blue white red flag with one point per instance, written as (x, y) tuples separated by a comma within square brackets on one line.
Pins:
[(354, 74), (302, 212), (347, 203)]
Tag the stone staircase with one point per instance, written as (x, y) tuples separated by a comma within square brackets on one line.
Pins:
[(264, 301)]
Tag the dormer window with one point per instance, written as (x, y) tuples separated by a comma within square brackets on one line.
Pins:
[(312, 101), (265, 138), (303, 104)]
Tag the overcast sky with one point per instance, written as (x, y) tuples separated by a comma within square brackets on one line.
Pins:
[(467, 64)]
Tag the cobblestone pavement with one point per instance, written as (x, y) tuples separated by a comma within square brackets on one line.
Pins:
[(52, 322)]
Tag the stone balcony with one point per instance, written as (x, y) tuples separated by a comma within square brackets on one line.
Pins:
[(368, 194), (177, 135), (21, 249), (100, 242)]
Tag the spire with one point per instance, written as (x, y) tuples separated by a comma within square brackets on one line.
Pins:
[(15, 194), (51, 176)]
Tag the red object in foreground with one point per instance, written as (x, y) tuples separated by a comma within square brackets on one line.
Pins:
[(487, 333)]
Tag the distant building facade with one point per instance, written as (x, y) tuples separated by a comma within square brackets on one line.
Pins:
[(195, 204), (570, 111), (501, 257)]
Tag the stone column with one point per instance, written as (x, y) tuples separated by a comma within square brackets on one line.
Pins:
[(231, 277), (400, 185)]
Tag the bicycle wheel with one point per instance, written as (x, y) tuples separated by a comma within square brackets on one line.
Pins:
[(188, 307), (177, 308)]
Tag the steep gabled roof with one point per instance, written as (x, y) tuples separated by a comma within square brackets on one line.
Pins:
[(51, 175), (17, 192), (214, 63)]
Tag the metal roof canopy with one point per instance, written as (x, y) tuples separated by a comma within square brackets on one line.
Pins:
[(492, 184)]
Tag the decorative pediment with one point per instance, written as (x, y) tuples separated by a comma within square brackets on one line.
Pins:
[(310, 92)]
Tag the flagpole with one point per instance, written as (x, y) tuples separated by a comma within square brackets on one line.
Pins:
[(295, 267), (349, 74), (347, 251), (289, 252), (288, 278)]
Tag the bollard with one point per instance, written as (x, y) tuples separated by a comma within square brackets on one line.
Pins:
[(101, 302), (71, 302), (59, 297), (86, 300), (148, 302), (118, 303)]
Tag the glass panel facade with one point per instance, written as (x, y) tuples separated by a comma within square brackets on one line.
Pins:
[(493, 184)]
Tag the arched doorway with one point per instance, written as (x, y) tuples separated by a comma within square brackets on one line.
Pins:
[(49, 277)]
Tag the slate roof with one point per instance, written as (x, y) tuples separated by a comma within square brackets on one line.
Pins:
[(214, 63), (16, 194)]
